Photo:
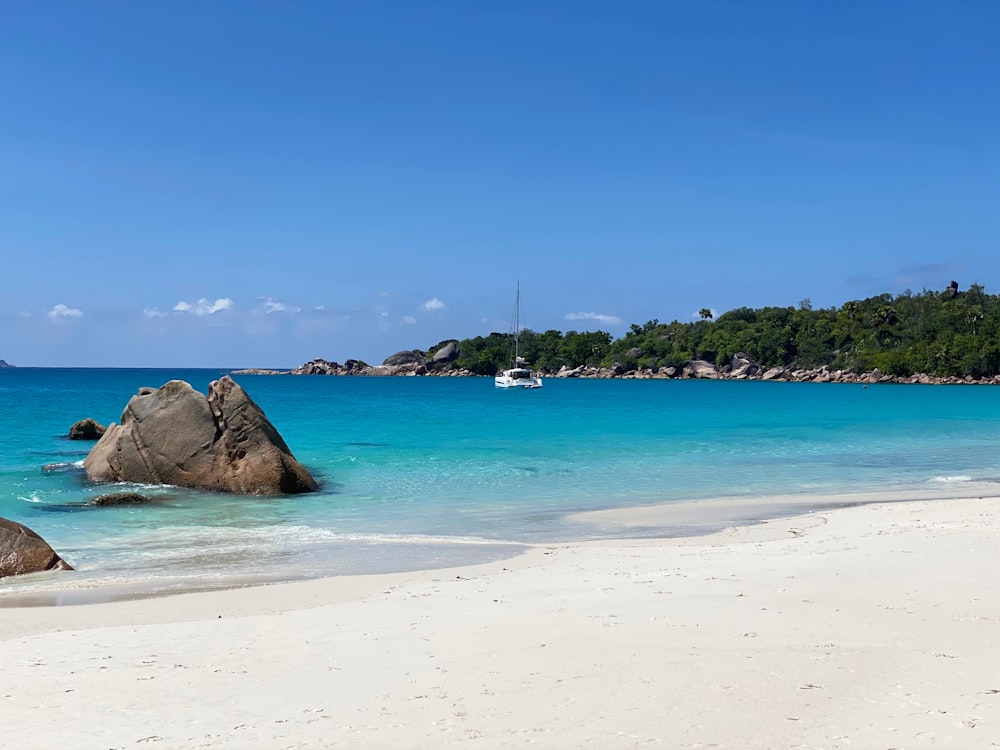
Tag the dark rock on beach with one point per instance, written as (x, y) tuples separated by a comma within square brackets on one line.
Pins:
[(175, 435), (23, 551), (86, 429)]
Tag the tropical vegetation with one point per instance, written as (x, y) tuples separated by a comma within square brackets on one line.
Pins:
[(950, 333)]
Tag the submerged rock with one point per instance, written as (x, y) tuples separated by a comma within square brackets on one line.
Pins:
[(175, 435), (23, 551), (86, 429), (120, 498), (59, 467)]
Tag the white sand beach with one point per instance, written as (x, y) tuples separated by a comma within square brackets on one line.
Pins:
[(862, 627)]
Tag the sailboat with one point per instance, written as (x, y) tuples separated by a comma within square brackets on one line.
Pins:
[(517, 376)]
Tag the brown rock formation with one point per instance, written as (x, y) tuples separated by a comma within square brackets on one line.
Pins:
[(174, 435), (23, 551)]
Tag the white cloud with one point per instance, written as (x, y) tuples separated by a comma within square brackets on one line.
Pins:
[(273, 306), (152, 312), (433, 304), (409, 320), (61, 311), (204, 307), (611, 320)]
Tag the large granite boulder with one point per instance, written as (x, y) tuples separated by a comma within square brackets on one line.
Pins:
[(699, 368), (411, 368), (23, 551), (86, 429), (413, 357), (175, 435), (743, 367), (446, 353), (317, 367)]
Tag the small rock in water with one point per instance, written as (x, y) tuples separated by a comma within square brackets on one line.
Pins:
[(120, 498), (86, 429)]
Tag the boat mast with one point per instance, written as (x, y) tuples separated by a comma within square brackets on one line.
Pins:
[(517, 326)]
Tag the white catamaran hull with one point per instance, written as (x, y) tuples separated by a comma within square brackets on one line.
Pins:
[(517, 376), (517, 379)]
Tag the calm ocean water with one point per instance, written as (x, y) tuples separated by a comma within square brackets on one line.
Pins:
[(421, 472)]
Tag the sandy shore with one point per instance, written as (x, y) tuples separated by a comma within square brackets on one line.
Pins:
[(862, 627)]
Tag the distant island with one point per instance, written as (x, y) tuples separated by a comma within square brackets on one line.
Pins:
[(950, 336), (3, 363)]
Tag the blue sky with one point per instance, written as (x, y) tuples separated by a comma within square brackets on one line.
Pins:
[(229, 184)]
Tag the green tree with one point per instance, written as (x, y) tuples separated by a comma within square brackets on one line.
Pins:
[(940, 333)]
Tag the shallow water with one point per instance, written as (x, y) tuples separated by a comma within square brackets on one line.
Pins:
[(427, 472)]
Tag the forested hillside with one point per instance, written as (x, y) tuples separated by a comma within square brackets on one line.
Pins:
[(950, 333)]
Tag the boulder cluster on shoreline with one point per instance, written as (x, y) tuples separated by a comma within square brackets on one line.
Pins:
[(741, 368), (171, 435)]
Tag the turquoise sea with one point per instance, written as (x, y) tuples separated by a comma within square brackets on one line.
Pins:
[(423, 472)]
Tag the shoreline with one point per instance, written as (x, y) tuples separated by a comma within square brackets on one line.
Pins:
[(681, 522), (871, 626), (713, 515), (704, 371), (673, 522), (740, 370)]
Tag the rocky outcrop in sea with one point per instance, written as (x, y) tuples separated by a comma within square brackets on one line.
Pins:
[(86, 429), (438, 361), (175, 435), (741, 367)]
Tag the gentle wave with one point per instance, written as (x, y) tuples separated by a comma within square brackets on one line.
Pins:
[(169, 537)]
